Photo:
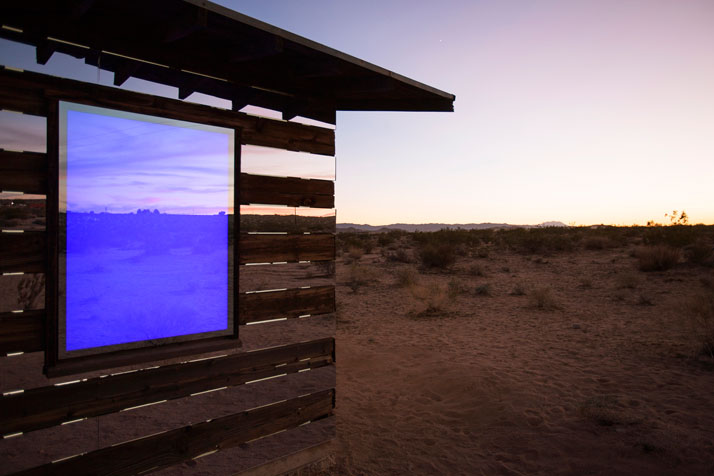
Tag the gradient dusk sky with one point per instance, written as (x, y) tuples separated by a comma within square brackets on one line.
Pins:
[(120, 162), (585, 112)]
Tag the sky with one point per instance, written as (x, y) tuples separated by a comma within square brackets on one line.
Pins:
[(584, 112), (119, 162)]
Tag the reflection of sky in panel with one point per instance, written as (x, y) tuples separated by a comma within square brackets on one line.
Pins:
[(22, 132), (284, 163), (275, 210), (120, 165)]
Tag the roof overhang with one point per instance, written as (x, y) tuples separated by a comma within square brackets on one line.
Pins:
[(198, 46)]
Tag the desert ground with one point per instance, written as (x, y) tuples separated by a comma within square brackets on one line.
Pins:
[(554, 354)]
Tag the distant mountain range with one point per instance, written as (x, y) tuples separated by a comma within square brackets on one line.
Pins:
[(346, 227)]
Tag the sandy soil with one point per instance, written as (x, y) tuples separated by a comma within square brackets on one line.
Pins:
[(604, 384)]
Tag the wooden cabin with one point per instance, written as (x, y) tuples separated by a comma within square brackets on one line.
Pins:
[(255, 398)]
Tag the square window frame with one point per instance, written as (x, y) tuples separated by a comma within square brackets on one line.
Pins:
[(57, 365)]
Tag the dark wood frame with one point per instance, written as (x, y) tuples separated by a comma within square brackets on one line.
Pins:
[(56, 366)]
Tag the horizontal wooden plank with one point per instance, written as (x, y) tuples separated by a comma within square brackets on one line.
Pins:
[(42, 446), (172, 447), (23, 171), (286, 275), (27, 92), (291, 191), (283, 453), (291, 248), (22, 332), (290, 303), (23, 252), (47, 406)]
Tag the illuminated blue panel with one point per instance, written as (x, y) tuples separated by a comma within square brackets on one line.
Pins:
[(145, 204)]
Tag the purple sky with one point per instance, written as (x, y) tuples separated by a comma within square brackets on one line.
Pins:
[(121, 162), (579, 111)]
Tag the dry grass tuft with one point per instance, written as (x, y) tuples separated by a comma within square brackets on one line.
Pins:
[(477, 270), (483, 290), (607, 410), (627, 280), (482, 252), (598, 243), (360, 276), (700, 314), (542, 298), (658, 257), (519, 290), (700, 252), (354, 253), (456, 287), (400, 255), (406, 277), (434, 299)]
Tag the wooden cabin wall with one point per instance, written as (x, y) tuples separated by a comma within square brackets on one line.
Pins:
[(210, 413)]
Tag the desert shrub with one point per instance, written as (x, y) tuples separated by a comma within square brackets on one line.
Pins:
[(539, 240), (322, 268), (627, 280), (607, 410), (618, 297), (483, 290), (385, 239), (456, 287), (700, 252), (518, 290), (657, 258), (390, 237), (481, 252), (348, 240), (543, 298), (700, 313), (434, 299), (355, 253), (406, 277), (674, 235), (477, 270), (454, 238), (398, 256), (441, 256), (359, 276), (597, 243), (29, 289)]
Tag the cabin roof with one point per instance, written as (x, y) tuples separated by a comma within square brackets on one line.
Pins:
[(198, 46)]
